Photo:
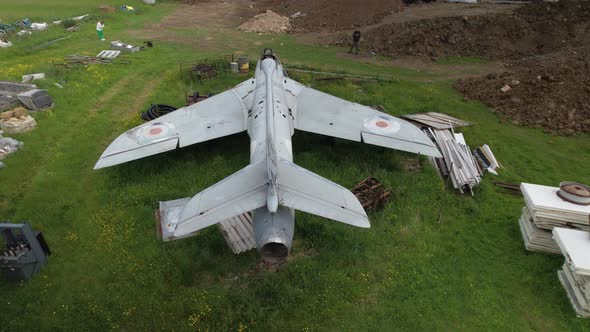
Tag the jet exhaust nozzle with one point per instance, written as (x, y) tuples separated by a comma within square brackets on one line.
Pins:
[(274, 252), (274, 232)]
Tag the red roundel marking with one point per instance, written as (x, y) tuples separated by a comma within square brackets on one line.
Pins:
[(155, 131), (382, 124)]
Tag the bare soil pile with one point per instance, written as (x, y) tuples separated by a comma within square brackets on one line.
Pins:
[(551, 91), (266, 22), (547, 49), (334, 15), (538, 28)]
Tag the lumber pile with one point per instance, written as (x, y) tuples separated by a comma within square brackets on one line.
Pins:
[(238, 233), (544, 210), (76, 59), (575, 275)]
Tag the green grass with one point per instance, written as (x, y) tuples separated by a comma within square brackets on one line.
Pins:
[(433, 260)]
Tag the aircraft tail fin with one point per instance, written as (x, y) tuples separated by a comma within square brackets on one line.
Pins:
[(239, 193), (306, 191)]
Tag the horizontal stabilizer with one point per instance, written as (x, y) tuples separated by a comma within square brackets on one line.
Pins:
[(239, 193), (303, 190)]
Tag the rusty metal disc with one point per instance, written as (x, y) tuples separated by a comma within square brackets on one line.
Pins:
[(574, 192)]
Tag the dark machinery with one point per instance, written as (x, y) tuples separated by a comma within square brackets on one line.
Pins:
[(25, 252)]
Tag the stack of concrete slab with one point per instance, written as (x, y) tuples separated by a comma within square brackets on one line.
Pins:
[(575, 276), (544, 211), (535, 238), (549, 210)]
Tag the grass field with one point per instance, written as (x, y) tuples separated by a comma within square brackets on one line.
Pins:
[(433, 260)]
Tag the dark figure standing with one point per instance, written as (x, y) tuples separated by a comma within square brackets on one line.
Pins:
[(356, 37)]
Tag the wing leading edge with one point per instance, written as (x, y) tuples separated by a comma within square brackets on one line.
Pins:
[(321, 113)]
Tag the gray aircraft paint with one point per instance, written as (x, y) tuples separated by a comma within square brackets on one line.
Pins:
[(269, 107)]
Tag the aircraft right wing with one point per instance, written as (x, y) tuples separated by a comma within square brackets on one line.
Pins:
[(321, 113), (220, 115)]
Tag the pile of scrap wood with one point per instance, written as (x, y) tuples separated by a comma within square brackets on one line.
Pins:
[(575, 275), (203, 70), (76, 59), (372, 194), (546, 210), (463, 166)]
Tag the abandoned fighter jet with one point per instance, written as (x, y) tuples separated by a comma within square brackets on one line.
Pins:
[(269, 107)]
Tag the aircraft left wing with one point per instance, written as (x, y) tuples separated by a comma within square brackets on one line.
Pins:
[(321, 113), (221, 115)]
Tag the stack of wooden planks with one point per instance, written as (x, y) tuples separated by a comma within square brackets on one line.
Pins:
[(238, 233)]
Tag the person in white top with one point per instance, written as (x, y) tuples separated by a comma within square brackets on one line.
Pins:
[(99, 27)]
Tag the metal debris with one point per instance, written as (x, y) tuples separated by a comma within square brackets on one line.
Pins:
[(574, 192), (119, 45), (510, 187), (457, 163), (486, 159), (9, 145), (25, 252), (31, 77), (11, 88), (372, 194), (35, 99)]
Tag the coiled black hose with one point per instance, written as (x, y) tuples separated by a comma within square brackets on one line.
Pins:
[(155, 111)]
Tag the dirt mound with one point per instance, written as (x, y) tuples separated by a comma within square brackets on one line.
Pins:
[(538, 28), (313, 15), (546, 91), (266, 22)]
